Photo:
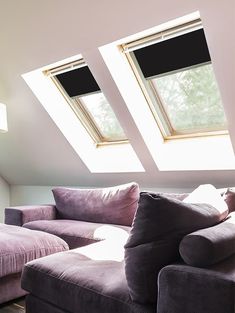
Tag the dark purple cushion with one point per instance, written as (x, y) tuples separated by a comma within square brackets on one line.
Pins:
[(159, 225), (211, 245), (114, 205)]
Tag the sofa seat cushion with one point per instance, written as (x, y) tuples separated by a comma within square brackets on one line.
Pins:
[(19, 245), (75, 283), (79, 233)]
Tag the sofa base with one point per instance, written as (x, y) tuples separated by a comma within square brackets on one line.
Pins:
[(35, 305), (10, 287)]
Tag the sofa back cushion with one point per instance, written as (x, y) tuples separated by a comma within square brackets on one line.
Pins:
[(114, 205), (158, 227)]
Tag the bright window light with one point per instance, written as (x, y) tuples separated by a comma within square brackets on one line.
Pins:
[(103, 117), (191, 100), (3, 118), (78, 86), (190, 151), (175, 73)]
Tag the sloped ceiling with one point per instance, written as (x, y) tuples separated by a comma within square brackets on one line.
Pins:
[(36, 33)]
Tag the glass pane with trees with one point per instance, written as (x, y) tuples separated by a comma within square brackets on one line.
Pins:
[(191, 99), (103, 116)]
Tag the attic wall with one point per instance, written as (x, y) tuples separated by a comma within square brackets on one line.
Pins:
[(36, 33), (27, 195), (4, 197)]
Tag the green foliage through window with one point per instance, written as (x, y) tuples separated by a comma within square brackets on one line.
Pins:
[(103, 116), (191, 99)]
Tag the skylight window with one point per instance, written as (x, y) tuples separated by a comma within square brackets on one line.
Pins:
[(175, 73), (78, 86), (198, 151)]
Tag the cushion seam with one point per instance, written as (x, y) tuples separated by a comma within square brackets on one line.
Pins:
[(32, 250)]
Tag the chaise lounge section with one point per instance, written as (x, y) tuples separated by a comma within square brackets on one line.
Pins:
[(17, 246)]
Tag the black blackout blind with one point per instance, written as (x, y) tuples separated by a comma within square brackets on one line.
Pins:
[(173, 54), (78, 82)]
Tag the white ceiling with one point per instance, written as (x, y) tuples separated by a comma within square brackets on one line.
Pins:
[(36, 33)]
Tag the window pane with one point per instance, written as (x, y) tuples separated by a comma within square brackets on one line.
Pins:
[(103, 116), (191, 99)]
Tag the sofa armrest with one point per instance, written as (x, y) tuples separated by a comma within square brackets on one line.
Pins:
[(187, 289), (20, 215)]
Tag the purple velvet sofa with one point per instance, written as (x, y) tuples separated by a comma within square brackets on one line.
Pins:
[(79, 214), (176, 256)]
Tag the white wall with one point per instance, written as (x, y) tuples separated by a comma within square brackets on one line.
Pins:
[(4, 197), (27, 195)]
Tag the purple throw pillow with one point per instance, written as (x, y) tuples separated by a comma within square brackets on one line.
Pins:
[(210, 245), (114, 205), (158, 227)]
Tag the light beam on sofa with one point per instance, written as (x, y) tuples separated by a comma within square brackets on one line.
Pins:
[(111, 248)]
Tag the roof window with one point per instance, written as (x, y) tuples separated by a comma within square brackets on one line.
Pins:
[(77, 84), (174, 70)]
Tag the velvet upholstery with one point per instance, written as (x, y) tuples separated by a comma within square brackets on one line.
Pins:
[(186, 289), (19, 245), (23, 214), (177, 196), (78, 233), (209, 245), (10, 287), (159, 225), (114, 205), (82, 284), (36, 305)]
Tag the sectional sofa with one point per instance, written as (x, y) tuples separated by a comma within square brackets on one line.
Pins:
[(133, 252)]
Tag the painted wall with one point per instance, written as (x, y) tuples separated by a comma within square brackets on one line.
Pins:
[(27, 195), (4, 197)]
